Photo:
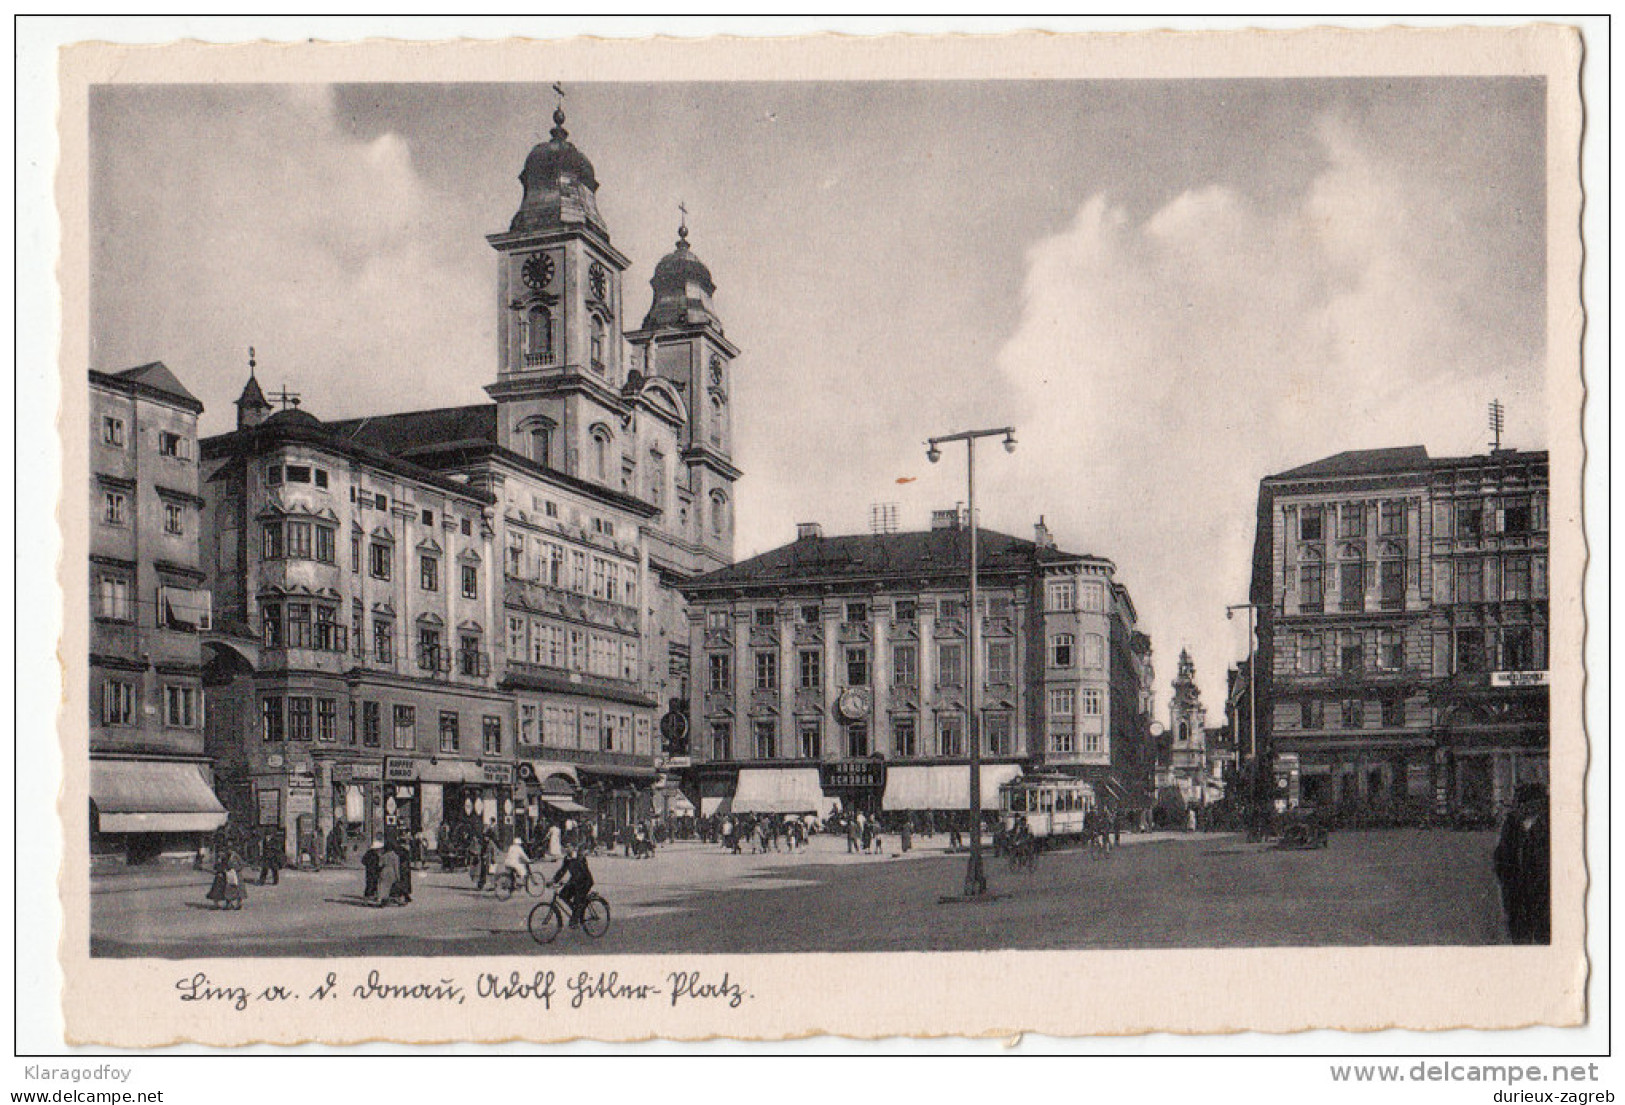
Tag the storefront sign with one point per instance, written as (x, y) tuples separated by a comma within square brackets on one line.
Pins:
[(400, 768), (274, 760), (501, 774), (356, 772), (852, 775), (1518, 679)]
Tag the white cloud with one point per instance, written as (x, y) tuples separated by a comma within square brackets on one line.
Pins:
[(1166, 365)]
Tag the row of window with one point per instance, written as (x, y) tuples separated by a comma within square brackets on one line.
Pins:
[(905, 671), (381, 563), (806, 740), (571, 648), (179, 608), (278, 474), (1062, 595), (549, 562), (1352, 578), (170, 444), (116, 512), (1351, 713), (468, 659), (182, 706), (1468, 579), (1466, 518), (1346, 651), (315, 718), (586, 728)]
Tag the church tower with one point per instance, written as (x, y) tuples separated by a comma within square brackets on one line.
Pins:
[(682, 343), (561, 367), (1187, 717)]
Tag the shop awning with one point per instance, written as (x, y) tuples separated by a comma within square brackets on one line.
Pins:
[(133, 797), (719, 807), (943, 786), (563, 805), (785, 790)]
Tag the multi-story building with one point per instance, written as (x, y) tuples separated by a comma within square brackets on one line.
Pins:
[(149, 776), (1403, 626), (834, 669), (597, 480)]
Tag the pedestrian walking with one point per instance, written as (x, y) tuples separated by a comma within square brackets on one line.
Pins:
[(403, 877), (907, 836), (271, 857), (485, 858), (389, 872), (851, 836), (1523, 864), (226, 890), (555, 841), (371, 862)]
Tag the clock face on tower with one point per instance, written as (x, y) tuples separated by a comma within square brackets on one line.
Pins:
[(598, 279), (537, 271)]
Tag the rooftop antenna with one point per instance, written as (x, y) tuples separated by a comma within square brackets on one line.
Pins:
[(1497, 422), (883, 518), (286, 398)]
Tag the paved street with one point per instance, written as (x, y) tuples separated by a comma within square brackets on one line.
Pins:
[(1398, 887)]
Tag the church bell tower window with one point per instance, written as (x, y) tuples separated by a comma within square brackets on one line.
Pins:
[(538, 337), (597, 345)]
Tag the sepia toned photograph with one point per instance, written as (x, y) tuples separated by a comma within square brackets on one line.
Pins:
[(560, 520)]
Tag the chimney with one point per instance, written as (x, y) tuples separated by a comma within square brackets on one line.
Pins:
[(1041, 535), (945, 519), (809, 531)]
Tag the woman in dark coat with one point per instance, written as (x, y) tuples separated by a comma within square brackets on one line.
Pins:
[(1523, 864), (371, 860), (226, 891), (403, 881)]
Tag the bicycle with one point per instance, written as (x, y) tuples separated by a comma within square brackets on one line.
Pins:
[(1023, 854), (503, 883), (547, 918)]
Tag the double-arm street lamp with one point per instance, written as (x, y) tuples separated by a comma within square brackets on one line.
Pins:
[(975, 877)]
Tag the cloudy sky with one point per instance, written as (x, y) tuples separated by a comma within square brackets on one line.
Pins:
[(1171, 288)]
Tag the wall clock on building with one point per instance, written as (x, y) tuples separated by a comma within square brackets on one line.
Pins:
[(853, 703), (537, 271), (598, 280), (716, 371)]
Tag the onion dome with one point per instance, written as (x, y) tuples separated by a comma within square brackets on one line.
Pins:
[(683, 289), (560, 185)]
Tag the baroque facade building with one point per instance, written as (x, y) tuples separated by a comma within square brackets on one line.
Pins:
[(1403, 606), (834, 669), (521, 558), (149, 775)]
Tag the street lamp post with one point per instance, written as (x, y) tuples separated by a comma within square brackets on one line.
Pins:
[(975, 876)]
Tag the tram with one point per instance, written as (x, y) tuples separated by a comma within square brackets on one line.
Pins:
[(1054, 806)]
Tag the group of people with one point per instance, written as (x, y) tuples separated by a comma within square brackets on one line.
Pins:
[(387, 872), (762, 832)]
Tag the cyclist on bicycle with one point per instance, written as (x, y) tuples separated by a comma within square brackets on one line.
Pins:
[(515, 862), (577, 879)]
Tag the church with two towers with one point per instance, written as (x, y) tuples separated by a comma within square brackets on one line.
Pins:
[(445, 621)]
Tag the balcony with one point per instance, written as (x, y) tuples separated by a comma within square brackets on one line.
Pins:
[(540, 360)]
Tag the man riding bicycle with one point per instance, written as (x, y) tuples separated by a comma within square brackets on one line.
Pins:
[(577, 879), (515, 862)]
